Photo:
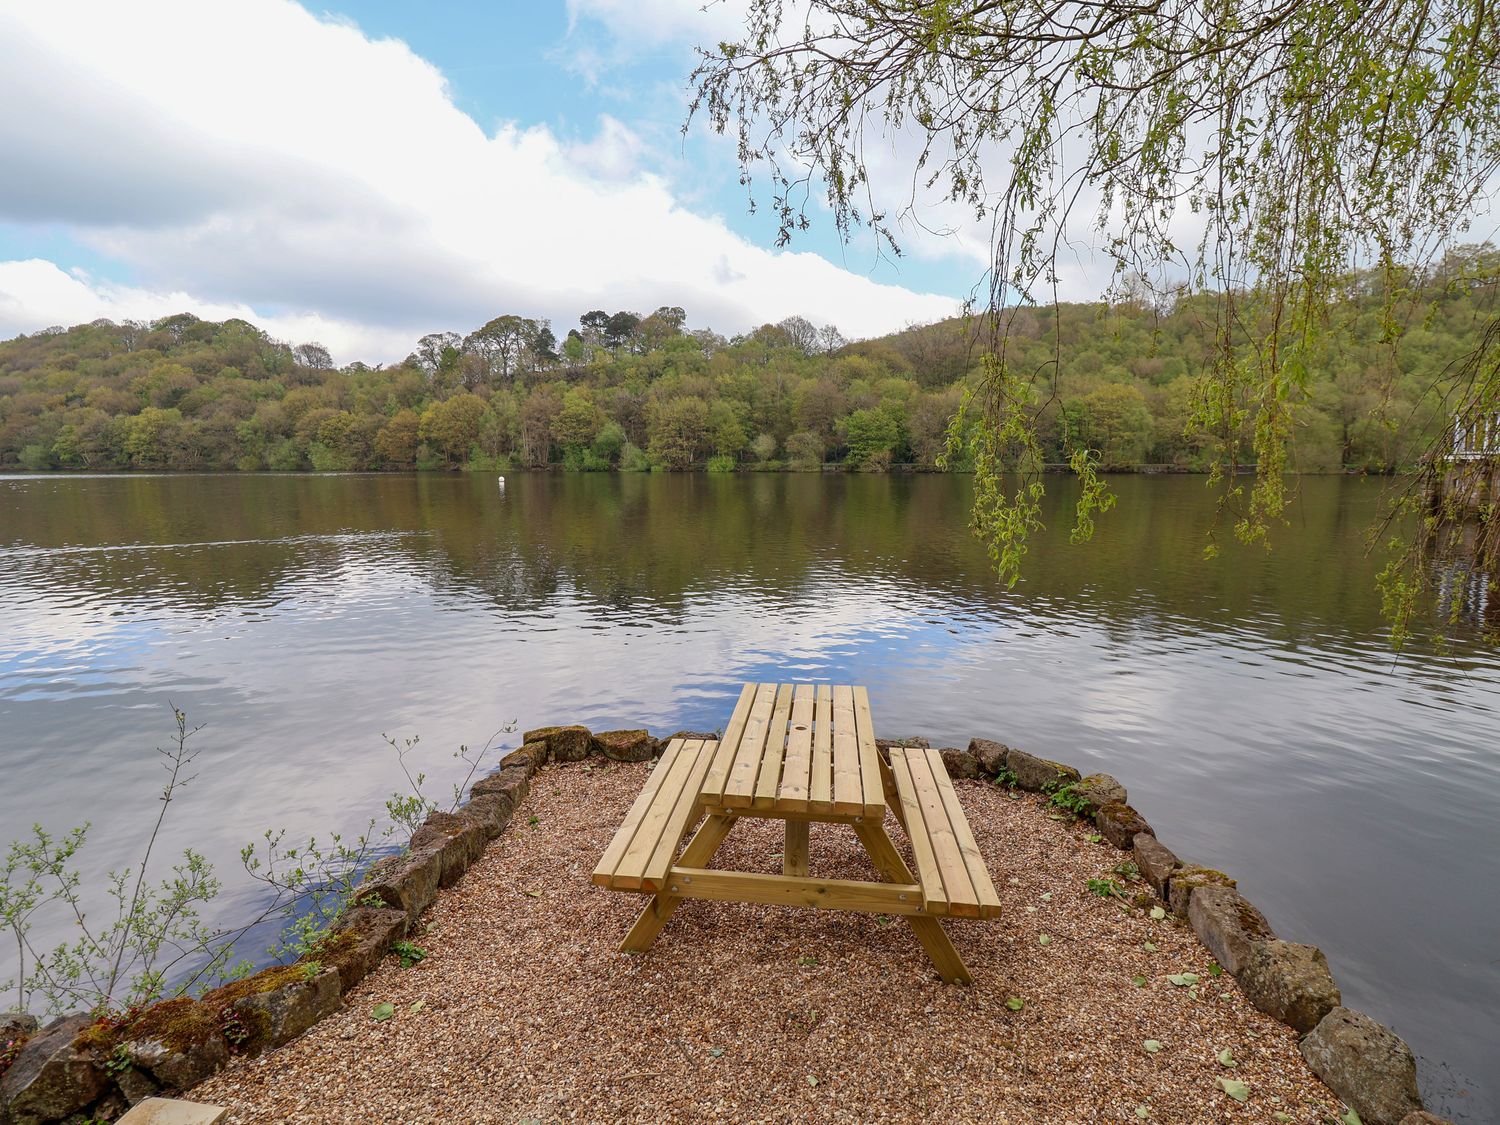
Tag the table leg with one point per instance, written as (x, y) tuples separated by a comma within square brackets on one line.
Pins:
[(700, 849), (794, 858), (929, 931)]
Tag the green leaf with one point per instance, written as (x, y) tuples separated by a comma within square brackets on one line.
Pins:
[(1047, 897), (1095, 838), (1350, 1118), (1015, 1003), (383, 1012), (1142, 1112), (715, 1052), (1157, 914), (1149, 946), (1183, 980), (1234, 1088), (1152, 1046), (1138, 981), (1215, 969), (417, 1005), (1045, 939), (811, 1081), (1280, 1116), (1226, 1058)]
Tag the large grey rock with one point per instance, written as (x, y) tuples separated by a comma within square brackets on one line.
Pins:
[(1098, 790), (960, 763), (1155, 860), (1187, 879), (492, 810), (17, 1025), (409, 882), (510, 782), (279, 1014), (457, 838), (363, 937), (1228, 924), (1120, 824), (991, 755), (531, 757), (565, 744), (1289, 982), (52, 1077), (1368, 1066), (625, 745), (1037, 774)]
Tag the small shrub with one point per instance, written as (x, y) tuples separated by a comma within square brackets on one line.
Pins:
[(722, 463)]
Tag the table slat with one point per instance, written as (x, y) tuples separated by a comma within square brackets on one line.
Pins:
[(677, 822), (610, 861), (643, 845), (984, 887), (820, 788), (959, 888), (771, 758), (718, 771), (739, 786), (928, 872), (869, 760), (795, 772), (848, 794)]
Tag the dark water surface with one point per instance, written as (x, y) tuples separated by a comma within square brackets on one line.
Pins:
[(1250, 704)]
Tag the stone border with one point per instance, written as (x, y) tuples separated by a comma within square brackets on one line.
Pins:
[(78, 1068), (1367, 1065)]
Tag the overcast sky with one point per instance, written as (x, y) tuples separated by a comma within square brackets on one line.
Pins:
[(363, 174)]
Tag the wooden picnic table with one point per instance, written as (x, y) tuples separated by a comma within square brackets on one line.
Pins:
[(801, 753)]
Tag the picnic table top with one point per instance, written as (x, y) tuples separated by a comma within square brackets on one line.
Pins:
[(798, 748)]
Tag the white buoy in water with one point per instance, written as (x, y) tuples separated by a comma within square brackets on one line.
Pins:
[(502, 484)]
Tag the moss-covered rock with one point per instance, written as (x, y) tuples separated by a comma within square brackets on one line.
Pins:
[(625, 745), (1097, 790), (991, 755), (531, 756), (276, 1005), (363, 936), (564, 744), (1187, 879), (178, 1043), (1228, 924), (1120, 824), (1038, 774), (53, 1075)]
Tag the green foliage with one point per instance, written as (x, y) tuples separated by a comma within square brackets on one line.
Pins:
[(1341, 133), (151, 941), (722, 463), (408, 952), (1104, 888), (1067, 797)]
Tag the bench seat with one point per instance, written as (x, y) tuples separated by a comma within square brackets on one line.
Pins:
[(642, 851), (949, 866)]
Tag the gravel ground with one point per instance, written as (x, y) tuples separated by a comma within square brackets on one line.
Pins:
[(524, 1011)]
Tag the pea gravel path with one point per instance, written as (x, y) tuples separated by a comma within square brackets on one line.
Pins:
[(524, 1012)]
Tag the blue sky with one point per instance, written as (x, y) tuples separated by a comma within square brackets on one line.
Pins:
[(365, 172)]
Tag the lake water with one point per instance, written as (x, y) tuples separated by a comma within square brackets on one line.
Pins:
[(1251, 704)]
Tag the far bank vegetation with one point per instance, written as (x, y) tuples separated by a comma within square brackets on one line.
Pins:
[(628, 392)]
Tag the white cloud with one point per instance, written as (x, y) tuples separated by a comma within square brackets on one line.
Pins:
[(249, 156)]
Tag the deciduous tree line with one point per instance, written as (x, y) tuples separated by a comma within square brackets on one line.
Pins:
[(632, 392)]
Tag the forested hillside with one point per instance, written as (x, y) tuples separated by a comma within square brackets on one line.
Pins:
[(623, 391)]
